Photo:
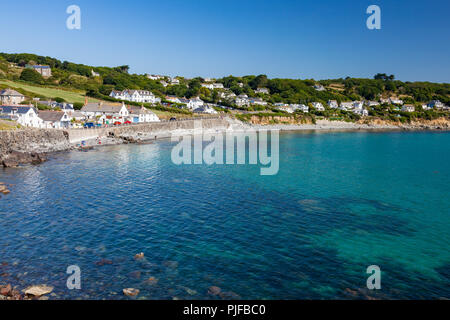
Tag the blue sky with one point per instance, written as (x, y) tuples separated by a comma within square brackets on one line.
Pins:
[(321, 39)]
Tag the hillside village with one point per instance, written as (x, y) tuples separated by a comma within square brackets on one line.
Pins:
[(345, 99)]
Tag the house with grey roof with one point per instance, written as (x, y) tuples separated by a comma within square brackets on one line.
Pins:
[(54, 119), (11, 97), (141, 115), (26, 116)]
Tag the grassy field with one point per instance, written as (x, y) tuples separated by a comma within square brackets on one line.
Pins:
[(8, 125), (69, 96)]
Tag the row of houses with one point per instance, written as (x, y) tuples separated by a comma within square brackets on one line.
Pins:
[(141, 96), (194, 104), (99, 113)]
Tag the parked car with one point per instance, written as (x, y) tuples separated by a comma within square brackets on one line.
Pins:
[(89, 125), (173, 119), (127, 122), (117, 123)]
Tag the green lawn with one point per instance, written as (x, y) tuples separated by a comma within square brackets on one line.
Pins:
[(69, 96)]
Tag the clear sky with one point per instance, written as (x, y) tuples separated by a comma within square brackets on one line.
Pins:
[(320, 39)]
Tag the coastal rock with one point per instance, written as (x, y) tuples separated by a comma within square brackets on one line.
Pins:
[(230, 295), (131, 292), (139, 256), (38, 291), (151, 281), (6, 290), (16, 158), (103, 262), (214, 291)]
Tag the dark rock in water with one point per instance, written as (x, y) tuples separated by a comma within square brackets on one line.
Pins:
[(135, 274), (6, 290), (170, 264), (230, 295), (15, 158), (151, 281), (131, 292), (214, 291), (139, 256), (3, 264), (4, 275), (103, 262)]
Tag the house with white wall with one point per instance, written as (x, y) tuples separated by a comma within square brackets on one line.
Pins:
[(26, 116), (11, 97), (141, 115), (54, 119), (141, 96)]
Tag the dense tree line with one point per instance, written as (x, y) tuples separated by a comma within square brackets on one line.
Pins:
[(81, 76)]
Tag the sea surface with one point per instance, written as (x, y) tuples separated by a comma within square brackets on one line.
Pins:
[(340, 203)]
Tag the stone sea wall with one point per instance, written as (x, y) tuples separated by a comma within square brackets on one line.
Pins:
[(30, 145)]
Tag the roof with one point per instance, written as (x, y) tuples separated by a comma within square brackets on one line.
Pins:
[(139, 110), (51, 115), (98, 107), (16, 109), (10, 92)]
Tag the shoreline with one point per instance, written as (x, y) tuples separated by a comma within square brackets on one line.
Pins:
[(14, 152)]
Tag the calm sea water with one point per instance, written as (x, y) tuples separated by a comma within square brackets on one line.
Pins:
[(340, 203)]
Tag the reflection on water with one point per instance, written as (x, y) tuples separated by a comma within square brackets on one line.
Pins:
[(341, 202)]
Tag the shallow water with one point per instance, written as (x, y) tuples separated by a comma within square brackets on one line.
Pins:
[(340, 203)]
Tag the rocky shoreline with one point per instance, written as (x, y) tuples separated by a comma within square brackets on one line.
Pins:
[(14, 152)]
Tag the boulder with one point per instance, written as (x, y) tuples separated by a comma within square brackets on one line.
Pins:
[(131, 292), (214, 291), (6, 290), (139, 256), (38, 291)]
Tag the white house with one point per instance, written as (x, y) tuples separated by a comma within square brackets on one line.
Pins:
[(318, 106), (257, 101), (25, 115), (358, 105), (174, 81), (54, 119), (195, 103), (304, 108), (346, 106), (141, 115), (436, 104), (112, 113), (242, 100), (154, 77), (333, 104), (319, 87), (11, 97), (262, 90), (141, 96), (361, 112), (205, 109), (213, 86), (372, 103), (285, 108), (408, 108), (396, 101), (173, 99)]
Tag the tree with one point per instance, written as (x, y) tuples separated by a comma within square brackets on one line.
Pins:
[(31, 75)]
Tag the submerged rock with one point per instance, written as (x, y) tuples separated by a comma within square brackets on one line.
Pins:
[(131, 292), (139, 256), (5, 290), (214, 291), (103, 262), (38, 291), (151, 281)]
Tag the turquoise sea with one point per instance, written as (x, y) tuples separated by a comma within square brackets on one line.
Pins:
[(341, 202)]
